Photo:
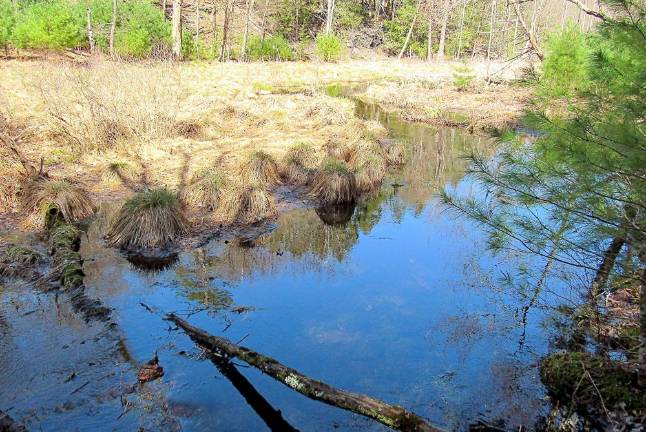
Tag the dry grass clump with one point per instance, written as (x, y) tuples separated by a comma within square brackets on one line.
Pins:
[(119, 172), (260, 168), (188, 129), (107, 104), (147, 220), (246, 204), (8, 191), (72, 201), (374, 130), (334, 183), (204, 189), (371, 170), (395, 151), (296, 166)]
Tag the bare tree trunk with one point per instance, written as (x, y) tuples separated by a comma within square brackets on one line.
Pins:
[(410, 30), (330, 16), (530, 35), (475, 39), (113, 26), (246, 29), (392, 416), (445, 21), (264, 20), (197, 29), (604, 270), (464, 9), (225, 30), (90, 32), (492, 22), (214, 26), (177, 29), (429, 37)]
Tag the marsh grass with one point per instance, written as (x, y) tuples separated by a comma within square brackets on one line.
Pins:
[(148, 220), (204, 189), (246, 204), (107, 105), (72, 200), (297, 165), (260, 168), (334, 183), (371, 170), (189, 129)]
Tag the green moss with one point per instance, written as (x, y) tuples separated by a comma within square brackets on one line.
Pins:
[(582, 380), (155, 198), (63, 236), (21, 255), (333, 165), (72, 275)]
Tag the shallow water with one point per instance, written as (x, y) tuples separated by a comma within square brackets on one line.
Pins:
[(400, 302)]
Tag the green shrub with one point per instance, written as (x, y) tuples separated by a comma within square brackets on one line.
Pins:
[(329, 47), (462, 77), (274, 48), (564, 71), (50, 25), (396, 31), (141, 27), (350, 15), (7, 22)]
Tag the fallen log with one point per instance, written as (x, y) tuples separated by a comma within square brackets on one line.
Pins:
[(393, 416)]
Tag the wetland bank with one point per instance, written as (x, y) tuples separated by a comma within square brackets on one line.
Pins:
[(291, 208)]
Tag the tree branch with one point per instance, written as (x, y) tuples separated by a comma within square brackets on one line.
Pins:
[(392, 416)]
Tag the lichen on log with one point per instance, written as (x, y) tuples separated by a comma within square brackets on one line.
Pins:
[(393, 416)]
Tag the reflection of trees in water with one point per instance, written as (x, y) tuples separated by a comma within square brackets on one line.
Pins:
[(437, 159)]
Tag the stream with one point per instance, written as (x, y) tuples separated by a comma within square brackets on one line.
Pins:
[(398, 298)]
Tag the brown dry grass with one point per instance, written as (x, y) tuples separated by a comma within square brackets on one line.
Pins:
[(205, 189), (334, 183), (72, 200), (246, 204), (297, 165), (260, 168), (371, 170), (148, 220)]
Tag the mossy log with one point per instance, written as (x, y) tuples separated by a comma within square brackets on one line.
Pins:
[(64, 240), (393, 416)]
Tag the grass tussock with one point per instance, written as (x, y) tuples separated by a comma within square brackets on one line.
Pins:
[(119, 172), (72, 201), (246, 204), (296, 166), (260, 168), (334, 183), (188, 129), (149, 219), (8, 192), (204, 189), (371, 170)]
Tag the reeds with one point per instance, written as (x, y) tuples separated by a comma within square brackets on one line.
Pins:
[(371, 170)]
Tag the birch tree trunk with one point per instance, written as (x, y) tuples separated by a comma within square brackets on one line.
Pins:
[(460, 34), (330, 16), (429, 38), (445, 21), (90, 32), (410, 30), (177, 29), (246, 29), (113, 26), (492, 22), (214, 27), (225, 30)]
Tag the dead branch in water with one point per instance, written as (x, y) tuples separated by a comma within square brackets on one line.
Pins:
[(392, 416)]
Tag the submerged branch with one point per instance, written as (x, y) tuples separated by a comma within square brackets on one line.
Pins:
[(392, 416)]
